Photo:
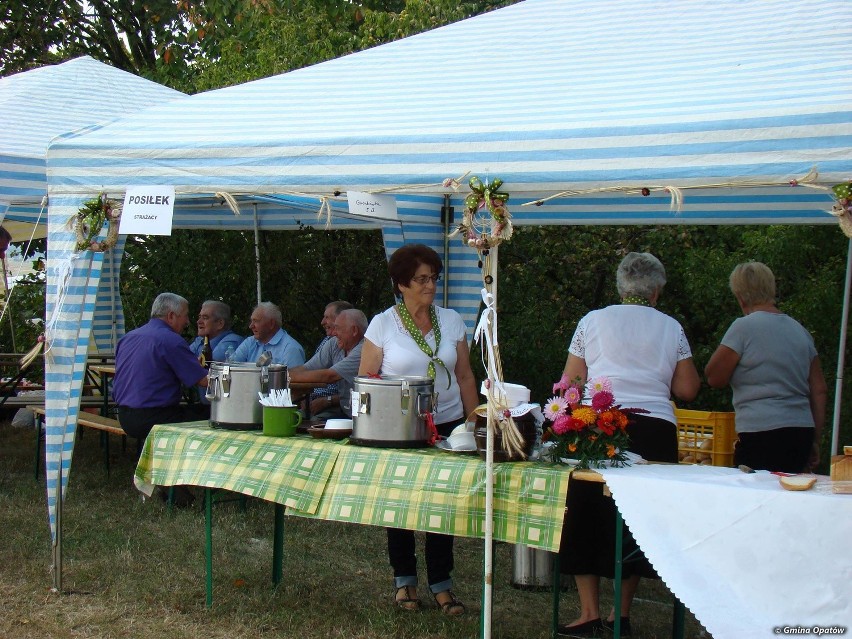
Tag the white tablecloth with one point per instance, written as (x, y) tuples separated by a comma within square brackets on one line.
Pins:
[(747, 557)]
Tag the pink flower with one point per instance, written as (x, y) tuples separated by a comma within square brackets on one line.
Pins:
[(554, 407), (602, 400), (573, 396), (562, 424), (599, 384)]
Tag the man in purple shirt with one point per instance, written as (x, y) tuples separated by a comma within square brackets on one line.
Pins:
[(151, 364)]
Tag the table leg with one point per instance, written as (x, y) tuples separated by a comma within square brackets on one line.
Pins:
[(38, 425), (619, 566), (678, 621), (556, 581), (208, 536), (278, 545)]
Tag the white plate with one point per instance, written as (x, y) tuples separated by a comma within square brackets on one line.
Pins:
[(445, 446)]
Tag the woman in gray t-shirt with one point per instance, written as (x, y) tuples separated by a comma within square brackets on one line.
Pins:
[(771, 363)]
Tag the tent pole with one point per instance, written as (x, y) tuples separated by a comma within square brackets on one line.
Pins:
[(841, 354), (488, 585), (56, 565), (7, 307), (257, 253), (446, 220)]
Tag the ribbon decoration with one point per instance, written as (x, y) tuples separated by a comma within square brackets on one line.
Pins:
[(486, 331), (487, 327)]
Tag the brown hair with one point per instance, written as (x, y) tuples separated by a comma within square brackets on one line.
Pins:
[(405, 261)]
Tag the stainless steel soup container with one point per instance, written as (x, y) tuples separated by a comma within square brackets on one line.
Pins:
[(390, 412), (233, 388)]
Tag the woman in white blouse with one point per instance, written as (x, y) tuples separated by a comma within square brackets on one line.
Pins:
[(646, 356), (417, 338)]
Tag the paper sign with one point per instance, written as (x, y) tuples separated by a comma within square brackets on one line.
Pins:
[(369, 205), (148, 210)]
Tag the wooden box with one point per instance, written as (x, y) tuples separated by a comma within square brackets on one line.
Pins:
[(841, 468)]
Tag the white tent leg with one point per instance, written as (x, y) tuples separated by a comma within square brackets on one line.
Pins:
[(257, 253), (841, 354)]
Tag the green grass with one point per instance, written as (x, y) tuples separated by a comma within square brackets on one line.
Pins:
[(135, 570)]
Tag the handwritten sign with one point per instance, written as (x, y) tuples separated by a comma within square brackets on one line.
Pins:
[(148, 210), (382, 207)]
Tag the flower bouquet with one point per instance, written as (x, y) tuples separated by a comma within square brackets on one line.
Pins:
[(594, 434)]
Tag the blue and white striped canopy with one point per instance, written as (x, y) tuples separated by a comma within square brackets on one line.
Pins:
[(742, 107), (38, 105)]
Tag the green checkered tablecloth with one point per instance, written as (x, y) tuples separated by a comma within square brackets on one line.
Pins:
[(292, 471), (419, 489), (434, 491)]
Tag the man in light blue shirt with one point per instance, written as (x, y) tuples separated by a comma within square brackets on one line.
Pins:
[(267, 335), (214, 323)]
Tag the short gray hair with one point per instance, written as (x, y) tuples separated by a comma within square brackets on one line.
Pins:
[(355, 318), (339, 306), (640, 274), (168, 303), (220, 310), (271, 311)]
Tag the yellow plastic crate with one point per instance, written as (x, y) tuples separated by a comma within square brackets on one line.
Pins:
[(705, 437)]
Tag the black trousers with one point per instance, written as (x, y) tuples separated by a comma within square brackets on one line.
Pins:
[(782, 450), (438, 550), (138, 422)]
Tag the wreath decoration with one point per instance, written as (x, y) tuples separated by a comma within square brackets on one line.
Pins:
[(476, 230), (90, 222)]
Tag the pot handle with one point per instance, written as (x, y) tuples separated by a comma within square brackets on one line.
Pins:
[(432, 401), (226, 381), (212, 387), (363, 403)]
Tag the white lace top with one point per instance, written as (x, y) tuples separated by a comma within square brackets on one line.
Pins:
[(637, 348)]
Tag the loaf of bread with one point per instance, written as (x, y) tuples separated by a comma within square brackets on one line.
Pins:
[(797, 482)]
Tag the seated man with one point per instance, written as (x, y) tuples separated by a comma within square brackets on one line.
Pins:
[(151, 363), (267, 335), (214, 323), (339, 365), (329, 315)]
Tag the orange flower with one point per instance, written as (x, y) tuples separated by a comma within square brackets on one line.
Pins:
[(585, 414), (610, 451), (572, 448)]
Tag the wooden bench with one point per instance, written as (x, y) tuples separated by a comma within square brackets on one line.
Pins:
[(105, 425)]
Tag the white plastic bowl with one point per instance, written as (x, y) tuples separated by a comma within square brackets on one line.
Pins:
[(338, 424), (462, 441)]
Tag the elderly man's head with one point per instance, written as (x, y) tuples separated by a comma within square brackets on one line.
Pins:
[(349, 327), (331, 313), (172, 309), (265, 321), (5, 238), (213, 318)]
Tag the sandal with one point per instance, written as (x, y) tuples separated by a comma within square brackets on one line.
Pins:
[(403, 599), (450, 606)]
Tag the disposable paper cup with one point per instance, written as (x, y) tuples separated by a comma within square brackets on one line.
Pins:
[(510, 394), (338, 424), (281, 421)]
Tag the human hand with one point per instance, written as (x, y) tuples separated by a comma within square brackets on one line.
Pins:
[(813, 459)]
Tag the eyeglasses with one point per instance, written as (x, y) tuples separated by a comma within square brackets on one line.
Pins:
[(425, 279)]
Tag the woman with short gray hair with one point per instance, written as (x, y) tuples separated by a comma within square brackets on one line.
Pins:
[(646, 356)]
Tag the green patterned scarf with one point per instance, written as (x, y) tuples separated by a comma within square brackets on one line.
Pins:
[(417, 336)]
